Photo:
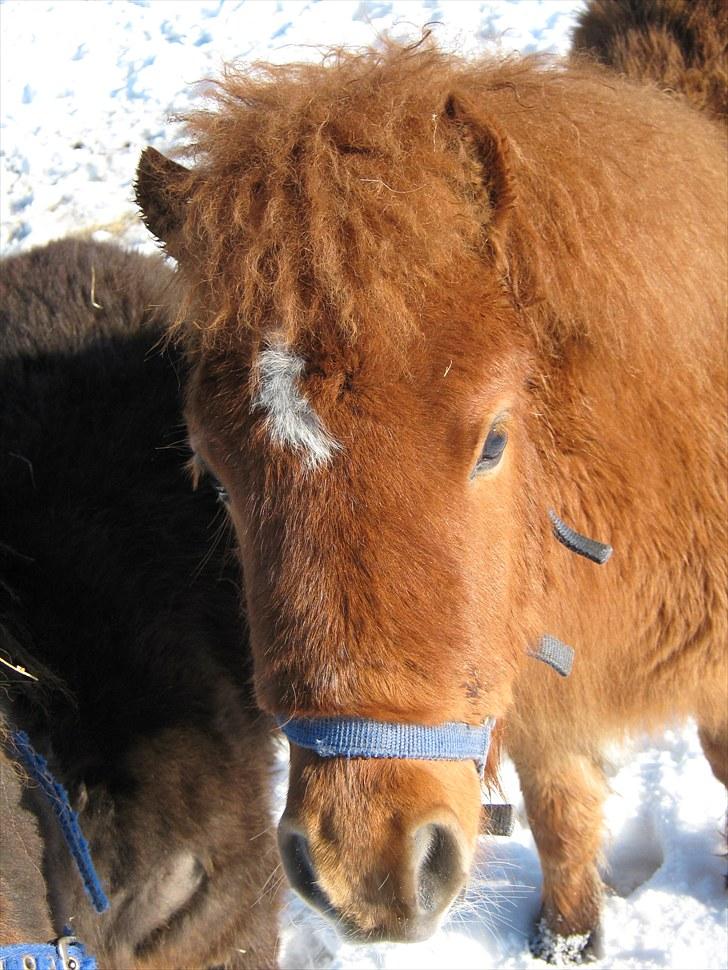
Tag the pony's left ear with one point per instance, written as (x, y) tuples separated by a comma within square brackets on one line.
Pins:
[(486, 150), (162, 188)]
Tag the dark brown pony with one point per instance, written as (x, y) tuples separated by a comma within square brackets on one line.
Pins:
[(427, 300), (116, 598)]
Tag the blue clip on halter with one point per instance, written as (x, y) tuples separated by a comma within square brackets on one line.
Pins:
[(66, 953), (358, 737)]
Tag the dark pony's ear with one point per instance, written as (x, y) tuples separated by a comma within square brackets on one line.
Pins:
[(162, 189), (486, 152)]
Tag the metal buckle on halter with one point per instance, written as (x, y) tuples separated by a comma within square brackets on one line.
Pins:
[(64, 944)]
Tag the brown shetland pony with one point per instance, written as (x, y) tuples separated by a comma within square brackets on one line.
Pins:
[(427, 300)]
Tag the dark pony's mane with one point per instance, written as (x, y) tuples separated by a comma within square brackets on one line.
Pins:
[(119, 596)]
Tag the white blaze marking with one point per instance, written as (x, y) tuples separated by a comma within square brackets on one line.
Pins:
[(291, 419)]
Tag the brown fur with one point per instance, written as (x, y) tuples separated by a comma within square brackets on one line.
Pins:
[(119, 593), (679, 45), (446, 241), (24, 912)]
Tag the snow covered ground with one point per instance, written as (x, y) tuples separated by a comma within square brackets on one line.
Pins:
[(664, 851), (84, 86)]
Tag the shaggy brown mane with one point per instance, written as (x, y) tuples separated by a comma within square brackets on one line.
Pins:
[(331, 171), (337, 192)]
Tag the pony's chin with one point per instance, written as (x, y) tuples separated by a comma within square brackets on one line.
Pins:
[(404, 931)]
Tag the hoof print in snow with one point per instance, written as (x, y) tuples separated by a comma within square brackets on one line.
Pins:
[(565, 951)]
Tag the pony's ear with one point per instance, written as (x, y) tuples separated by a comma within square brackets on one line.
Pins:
[(486, 150), (162, 188)]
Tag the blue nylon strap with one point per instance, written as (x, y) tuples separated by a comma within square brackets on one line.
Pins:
[(37, 769), (354, 737), (556, 654), (598, 552), (47, 956)]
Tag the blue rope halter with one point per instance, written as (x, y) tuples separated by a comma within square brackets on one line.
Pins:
[(65, 953), (357, 737), (37, 768)]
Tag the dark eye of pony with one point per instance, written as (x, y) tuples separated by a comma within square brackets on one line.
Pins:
[(201, 469), (221, 492), (493, 448)]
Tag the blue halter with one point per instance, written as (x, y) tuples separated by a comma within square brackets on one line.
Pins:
[(57, 797), (357, 737), (66, 953)]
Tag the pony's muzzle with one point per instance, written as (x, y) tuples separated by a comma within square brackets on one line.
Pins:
[(405, 906)]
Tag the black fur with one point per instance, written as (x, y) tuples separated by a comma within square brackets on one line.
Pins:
[(117, 591)]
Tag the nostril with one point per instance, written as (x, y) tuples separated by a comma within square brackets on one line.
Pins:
[(299, 869), (439, 873)]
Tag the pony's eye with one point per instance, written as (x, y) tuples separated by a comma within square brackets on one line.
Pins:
[(221, 492), (495, 445), (200, 470)]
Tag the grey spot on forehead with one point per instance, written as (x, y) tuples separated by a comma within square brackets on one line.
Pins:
[(291, 420)]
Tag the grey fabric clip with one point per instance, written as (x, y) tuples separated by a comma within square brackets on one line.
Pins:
[(598, 552), (497, 820), (555, 653)]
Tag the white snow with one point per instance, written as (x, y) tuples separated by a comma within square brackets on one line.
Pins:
[(84, 86), (666, 864)]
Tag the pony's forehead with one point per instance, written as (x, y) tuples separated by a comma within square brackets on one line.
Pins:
[(292, 421), (285, 390), (312, 399)]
